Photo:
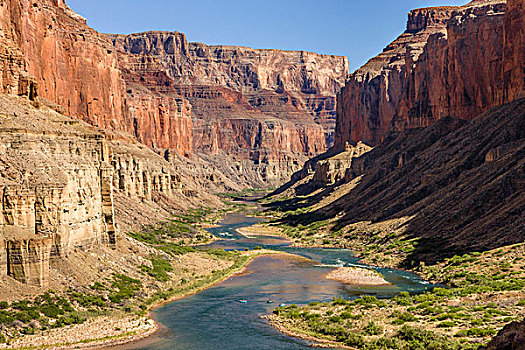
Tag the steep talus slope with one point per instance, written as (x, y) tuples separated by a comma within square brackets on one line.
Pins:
[(274, 108), (463, 183), (449, 62)]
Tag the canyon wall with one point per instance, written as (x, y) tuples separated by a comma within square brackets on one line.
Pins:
[(58, 179), (151, 85), (272, 107), (56, 194), (514, 51), (46, 43), (451, 61)]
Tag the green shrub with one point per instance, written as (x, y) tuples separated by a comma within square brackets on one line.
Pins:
[(335, 319), (355, 340), (476, 322), (412, 334), (21, 305), (446, 324), (160, 269), (23, 316), (51, 310), (27, 330), (126, 288), (479, 332), (339, 301), (69, 320), (98, 286), (401, 318), (6, 317), (3, 339), (372, 329), (4, 305)]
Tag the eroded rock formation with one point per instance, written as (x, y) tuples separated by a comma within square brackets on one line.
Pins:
[(58, 179), (77, 68), (143, 89), (272, 107), (451, 61)]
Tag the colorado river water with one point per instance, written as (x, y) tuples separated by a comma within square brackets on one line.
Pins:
[(215, 320)]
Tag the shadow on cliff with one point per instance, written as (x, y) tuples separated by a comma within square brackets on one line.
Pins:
[(462, 183)]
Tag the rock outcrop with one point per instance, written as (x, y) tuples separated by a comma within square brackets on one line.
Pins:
[(56, 189), (451, 61), (325, 170), (58, 180), (460, 183), (511, 337)]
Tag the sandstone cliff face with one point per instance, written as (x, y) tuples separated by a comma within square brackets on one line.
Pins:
[(44, 43), (58, 179), (144, 88), (74, 66), (450, 61), (272, 107), (514, 51), (56, 193), (234, 67)]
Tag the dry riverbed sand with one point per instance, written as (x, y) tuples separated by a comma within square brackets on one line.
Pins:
[(357, 276), (96, 332)]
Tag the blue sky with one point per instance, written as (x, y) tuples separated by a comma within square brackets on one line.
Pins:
[(358, 29)]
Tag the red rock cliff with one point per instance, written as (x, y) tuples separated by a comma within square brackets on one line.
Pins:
[(270, 106), (451, 61), (77, 68), (514, 51)]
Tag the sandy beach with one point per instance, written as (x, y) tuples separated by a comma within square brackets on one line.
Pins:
[(357, 276)]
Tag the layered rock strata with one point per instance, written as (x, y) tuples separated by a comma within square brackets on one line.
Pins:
[(44, 43), (144, 88), (58, 180), (56, 189), (460, 183), (325, 170), (272, 107), (451, 61)]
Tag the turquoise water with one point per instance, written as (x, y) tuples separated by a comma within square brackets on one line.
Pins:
[(214, 318)]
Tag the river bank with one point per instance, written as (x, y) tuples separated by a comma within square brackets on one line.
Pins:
[(485, 292), (295, 277), (106, 331)]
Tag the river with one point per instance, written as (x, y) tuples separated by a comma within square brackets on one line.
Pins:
[(214, 319)]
